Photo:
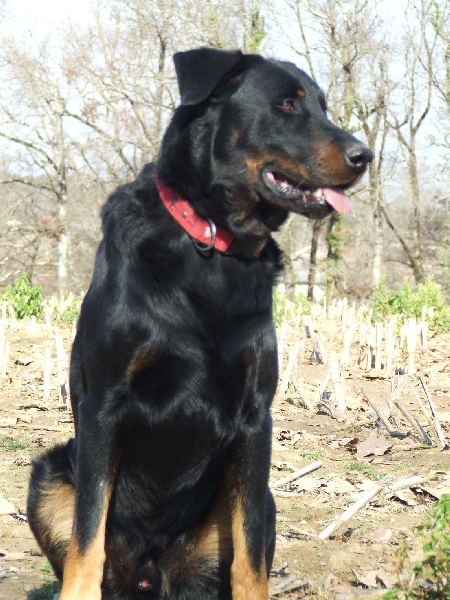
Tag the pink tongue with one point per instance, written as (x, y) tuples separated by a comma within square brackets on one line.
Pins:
[(337, 199)]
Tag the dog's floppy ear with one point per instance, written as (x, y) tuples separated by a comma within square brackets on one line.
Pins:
[(199, 71)]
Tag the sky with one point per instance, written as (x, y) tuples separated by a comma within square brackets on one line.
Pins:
[(40, 12), (43, 13)]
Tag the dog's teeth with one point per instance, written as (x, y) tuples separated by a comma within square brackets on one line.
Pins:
[(318, 193)]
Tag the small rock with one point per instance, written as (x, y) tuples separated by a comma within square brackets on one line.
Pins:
[(14, 556), (6, 507)]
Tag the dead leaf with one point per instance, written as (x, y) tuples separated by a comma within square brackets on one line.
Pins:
[(25, 419), (348, 442), (374, 445), (23, 461), (436, 492), (307, 484), (373, 579), (406, 496), (339, 486), (25, 361), (354, 403), (283, 434)]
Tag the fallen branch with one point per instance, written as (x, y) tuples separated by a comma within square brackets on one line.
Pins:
[(365, 499), (284, 494), (408, 482), (297, 474), (350, 512), (289, 584)]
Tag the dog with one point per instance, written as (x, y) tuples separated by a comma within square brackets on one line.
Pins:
[(163, 492)]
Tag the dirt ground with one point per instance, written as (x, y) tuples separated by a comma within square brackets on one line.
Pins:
[(361, 556)]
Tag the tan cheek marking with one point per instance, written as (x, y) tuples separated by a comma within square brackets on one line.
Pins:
[(83, 571), (255, 164), (331, 159), (246, 584)]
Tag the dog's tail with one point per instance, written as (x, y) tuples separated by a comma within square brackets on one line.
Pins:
[(51, 502)]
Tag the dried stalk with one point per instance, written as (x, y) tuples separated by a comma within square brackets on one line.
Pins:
[(380, 415), (338, 385), (434, 417), (413, 422)]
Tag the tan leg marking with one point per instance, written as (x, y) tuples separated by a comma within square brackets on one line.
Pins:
[(246, 583), (83, 572)]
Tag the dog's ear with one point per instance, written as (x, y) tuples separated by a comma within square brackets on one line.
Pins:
[(199, 71)]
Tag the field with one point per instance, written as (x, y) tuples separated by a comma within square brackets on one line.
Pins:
[(327, 420)]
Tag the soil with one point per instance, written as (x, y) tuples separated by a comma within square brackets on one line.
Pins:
[(361, 557)]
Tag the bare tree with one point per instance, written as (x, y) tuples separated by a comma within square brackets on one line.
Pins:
[(93, 101), (33, 103), (345, 44), (411, 112)]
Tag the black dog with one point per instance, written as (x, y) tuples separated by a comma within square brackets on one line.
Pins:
[(164, 491)]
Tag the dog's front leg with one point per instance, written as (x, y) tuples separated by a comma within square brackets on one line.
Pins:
[(95, 474), (247, 477)]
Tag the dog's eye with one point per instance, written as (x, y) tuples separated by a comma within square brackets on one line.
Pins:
[(323, 102), (287, 105)]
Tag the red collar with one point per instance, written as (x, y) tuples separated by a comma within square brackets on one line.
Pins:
[(204, 230)]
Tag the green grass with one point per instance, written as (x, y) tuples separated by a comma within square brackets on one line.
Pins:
[(429, 578), (10, 445), (45, 592), (287, 469), (47, 567), (352, 429), (310, 454), (366, 470)]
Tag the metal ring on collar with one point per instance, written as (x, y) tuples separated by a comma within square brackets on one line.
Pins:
[(213, 230)]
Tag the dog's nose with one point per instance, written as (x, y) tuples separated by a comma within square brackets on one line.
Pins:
[(359, 155)]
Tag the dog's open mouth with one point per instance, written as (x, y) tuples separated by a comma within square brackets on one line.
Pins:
[(287, 189)]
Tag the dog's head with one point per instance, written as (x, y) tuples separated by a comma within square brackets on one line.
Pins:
[(251, 141)]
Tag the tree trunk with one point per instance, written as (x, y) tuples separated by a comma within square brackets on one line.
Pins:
[(378, 246), (63, 247), (317, 226), (415, 267), (417, 264), (334, 253)]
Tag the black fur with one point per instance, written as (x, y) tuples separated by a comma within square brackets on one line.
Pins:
[(174, 365)]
